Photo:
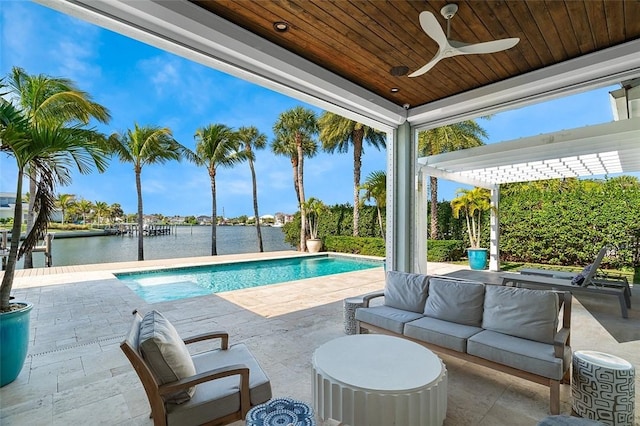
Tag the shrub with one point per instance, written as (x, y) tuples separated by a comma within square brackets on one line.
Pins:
[(444, 250), (368, 246)]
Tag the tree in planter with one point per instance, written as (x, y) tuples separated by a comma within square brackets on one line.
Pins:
[(51, 150), (314, 208), (473, 202)]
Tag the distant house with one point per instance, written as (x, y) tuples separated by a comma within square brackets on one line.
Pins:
[(8, 204), (204, 220)]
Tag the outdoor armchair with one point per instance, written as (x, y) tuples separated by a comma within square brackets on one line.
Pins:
[(215, 387)]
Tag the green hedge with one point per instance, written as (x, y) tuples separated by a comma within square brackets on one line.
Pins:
[(566, 222), (444, 250), (369, 246)]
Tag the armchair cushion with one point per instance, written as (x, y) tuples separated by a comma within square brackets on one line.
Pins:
[(455, 301), (220, 397), (165, 353), (521, 312), (406, 291)]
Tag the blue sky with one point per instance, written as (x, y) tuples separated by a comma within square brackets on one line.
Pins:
[(144, 85)]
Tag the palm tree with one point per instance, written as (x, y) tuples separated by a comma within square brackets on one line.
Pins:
[(473, 202), (338, 133), (375, 186), (294, 137), (50, 100), (64, 202), (252, 139), (146, 145), (102, 210), (83, 207), (216, 145), (454, 137), (52, 151)]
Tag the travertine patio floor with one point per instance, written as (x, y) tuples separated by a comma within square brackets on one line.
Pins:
[(76, 374)]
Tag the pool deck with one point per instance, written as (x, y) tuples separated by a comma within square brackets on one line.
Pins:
[(75, 372)]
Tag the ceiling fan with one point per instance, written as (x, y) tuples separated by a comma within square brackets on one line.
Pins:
[(449, 48)]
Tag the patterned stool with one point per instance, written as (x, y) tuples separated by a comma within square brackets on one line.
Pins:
[(350, 306), (281, 412), (603, 388)]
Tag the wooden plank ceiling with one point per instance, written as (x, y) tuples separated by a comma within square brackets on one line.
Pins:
[(363, 41)]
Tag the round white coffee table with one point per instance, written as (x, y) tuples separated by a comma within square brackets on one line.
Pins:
[(378, 380)]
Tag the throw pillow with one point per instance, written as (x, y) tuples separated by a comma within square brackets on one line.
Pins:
[(461, 302), (521, 312), (406, 291), (166, 354)]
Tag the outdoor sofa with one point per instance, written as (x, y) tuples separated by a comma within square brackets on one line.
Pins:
[(518, 331)]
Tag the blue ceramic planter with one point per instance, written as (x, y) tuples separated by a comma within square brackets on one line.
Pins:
[(14, 342), (477, 258)]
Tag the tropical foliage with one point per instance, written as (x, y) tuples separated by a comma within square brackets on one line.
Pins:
[(294, 137), (454, 137), (250, 139), (375, 187), (337, 133), (49, 150), (50, 101), (315, 209), (145, 145), (217, 146), (473, 203)]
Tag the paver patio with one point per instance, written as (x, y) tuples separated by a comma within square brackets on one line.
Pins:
[(76, 374)]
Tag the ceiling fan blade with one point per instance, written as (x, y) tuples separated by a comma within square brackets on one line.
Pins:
[(432, 63), (486, 47), (431, 26)]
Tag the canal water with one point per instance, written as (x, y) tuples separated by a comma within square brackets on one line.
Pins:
[(185, 241)]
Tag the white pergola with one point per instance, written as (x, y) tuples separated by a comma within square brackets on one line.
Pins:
[(604, 149)]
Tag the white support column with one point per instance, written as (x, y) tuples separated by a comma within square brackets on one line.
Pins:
[(422, 227), (401, 200), (494, 235)]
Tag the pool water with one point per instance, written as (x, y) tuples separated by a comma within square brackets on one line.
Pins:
[(178, 283)]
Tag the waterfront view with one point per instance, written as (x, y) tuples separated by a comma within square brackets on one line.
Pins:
[(185, 241)]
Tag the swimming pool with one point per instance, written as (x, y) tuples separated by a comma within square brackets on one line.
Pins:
[(178, 283)]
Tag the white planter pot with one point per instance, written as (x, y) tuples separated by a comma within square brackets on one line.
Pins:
[(314, 245)]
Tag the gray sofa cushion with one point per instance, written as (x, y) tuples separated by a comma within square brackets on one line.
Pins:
[(220, 397), (520, 312), (442, 333), (457, 301), (523, 354), (165, 353), (406, 291), (386, 317)]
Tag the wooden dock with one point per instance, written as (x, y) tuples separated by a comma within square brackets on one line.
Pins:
[(131, 229)]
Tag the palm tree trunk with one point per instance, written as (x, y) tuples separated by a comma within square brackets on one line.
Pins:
[(294, 165), (255, 204), (7, 279), (433, 184), (380, 222), (214, 213), (28, 255), (303, 213), (140, 221), (358, 134)]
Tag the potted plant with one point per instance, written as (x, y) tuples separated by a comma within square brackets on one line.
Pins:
[(314, 209), (44, 152), (473, 202)]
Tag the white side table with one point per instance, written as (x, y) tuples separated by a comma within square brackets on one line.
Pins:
[(378, 380), (603, 388)]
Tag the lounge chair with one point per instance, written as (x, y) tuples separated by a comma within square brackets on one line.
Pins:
[(591, 278), (217, 386)]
